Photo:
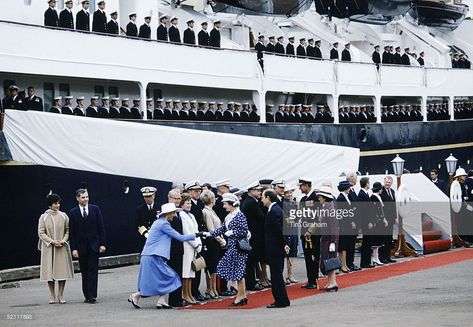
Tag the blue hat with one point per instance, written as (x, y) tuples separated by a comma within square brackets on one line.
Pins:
[(343, 185)]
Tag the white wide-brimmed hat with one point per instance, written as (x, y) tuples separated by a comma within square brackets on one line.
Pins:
[(168, 208)]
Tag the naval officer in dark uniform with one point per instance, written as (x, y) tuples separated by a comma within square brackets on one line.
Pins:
[(66, 18), (162, 31), (79, 109), (57, 103), (99, 23), (114, 111), (33, 102), (146, 214), (92, 110), (203, 36), (112, 25), (83, 17), (131, 28), (67, 108), (50, 15), (334, 52), (189, 34), (174, 34), (145, 29), (215, 35)]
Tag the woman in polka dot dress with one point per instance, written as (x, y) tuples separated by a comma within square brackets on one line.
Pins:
[(232, 266)]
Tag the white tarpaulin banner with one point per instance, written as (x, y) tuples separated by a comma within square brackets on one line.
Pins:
[(166, 153)]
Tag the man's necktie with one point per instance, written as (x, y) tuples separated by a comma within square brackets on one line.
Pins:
[(84, 213)]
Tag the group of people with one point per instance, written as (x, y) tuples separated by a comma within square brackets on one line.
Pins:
[(463, 110), (394, 57), (229, 237), (65, 19), (401, 113), (356, 114), (298, 113), (437, 111), (459, 60)]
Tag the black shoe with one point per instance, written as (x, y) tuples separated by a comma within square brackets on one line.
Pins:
[(136, 306), (275, 306), (367, 266), (309, 286), (201, 298), (90, 300), (330, 289), (163, 306), (243, 301), (178, 304), (390, 260), (355, 268), (384, 261), (257, 287)]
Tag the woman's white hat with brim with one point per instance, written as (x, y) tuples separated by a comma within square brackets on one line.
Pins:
[(168, 208)]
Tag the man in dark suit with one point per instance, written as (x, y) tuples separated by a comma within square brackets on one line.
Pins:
[(87, 239), (346, 55), (136, 110), (301, 48), (376, 57), (189, 34), (162, 31), (317, 51), (352, 178), (114, 111), (203, 36), (290, 50), (254, 214), (104, 112), (396, 58), (195, 189), (112, 25), (174, 34), (334, 52), (131, 28), (177, 249), (57, 104), (83, 17), (260, 48), (434, 177), (33, 102), (270, 47), (215, 35), (145, 29), (99, 23), (92, 110), (279, 47), (367, 222), (14, 100), (421, 59), (310, 50), (50, 15), (276, 248), (79, 109), (405, 60), (146, 214), (310, 241), (67, 107), (388, 196), (125, 112), (387, 57), (66, 18)]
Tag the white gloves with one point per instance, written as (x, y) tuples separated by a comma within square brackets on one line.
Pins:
[(385, 222), (331, 248), (146, 235), (198, 248), (206, 234), (228, 233)]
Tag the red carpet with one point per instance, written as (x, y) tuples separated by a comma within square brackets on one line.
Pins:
[(263, 298)]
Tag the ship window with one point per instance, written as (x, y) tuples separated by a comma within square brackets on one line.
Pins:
[(27, 2), (6, 85), (48, 89), (64, 89), (113, 91), (99, 91)]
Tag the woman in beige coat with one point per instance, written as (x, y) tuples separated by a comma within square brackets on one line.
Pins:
[(56, 260)]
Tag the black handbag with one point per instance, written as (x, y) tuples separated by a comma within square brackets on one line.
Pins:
[(244, 246), (332, 264)]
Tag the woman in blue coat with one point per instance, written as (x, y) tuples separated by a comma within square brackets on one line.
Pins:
[(156, 278), (232, 266)]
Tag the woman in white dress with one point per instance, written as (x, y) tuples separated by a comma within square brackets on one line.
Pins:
[(191, 248)]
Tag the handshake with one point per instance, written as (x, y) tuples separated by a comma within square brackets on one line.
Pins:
[(203, 234)]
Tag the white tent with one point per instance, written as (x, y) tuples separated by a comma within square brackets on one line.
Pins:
[(166, 153)]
